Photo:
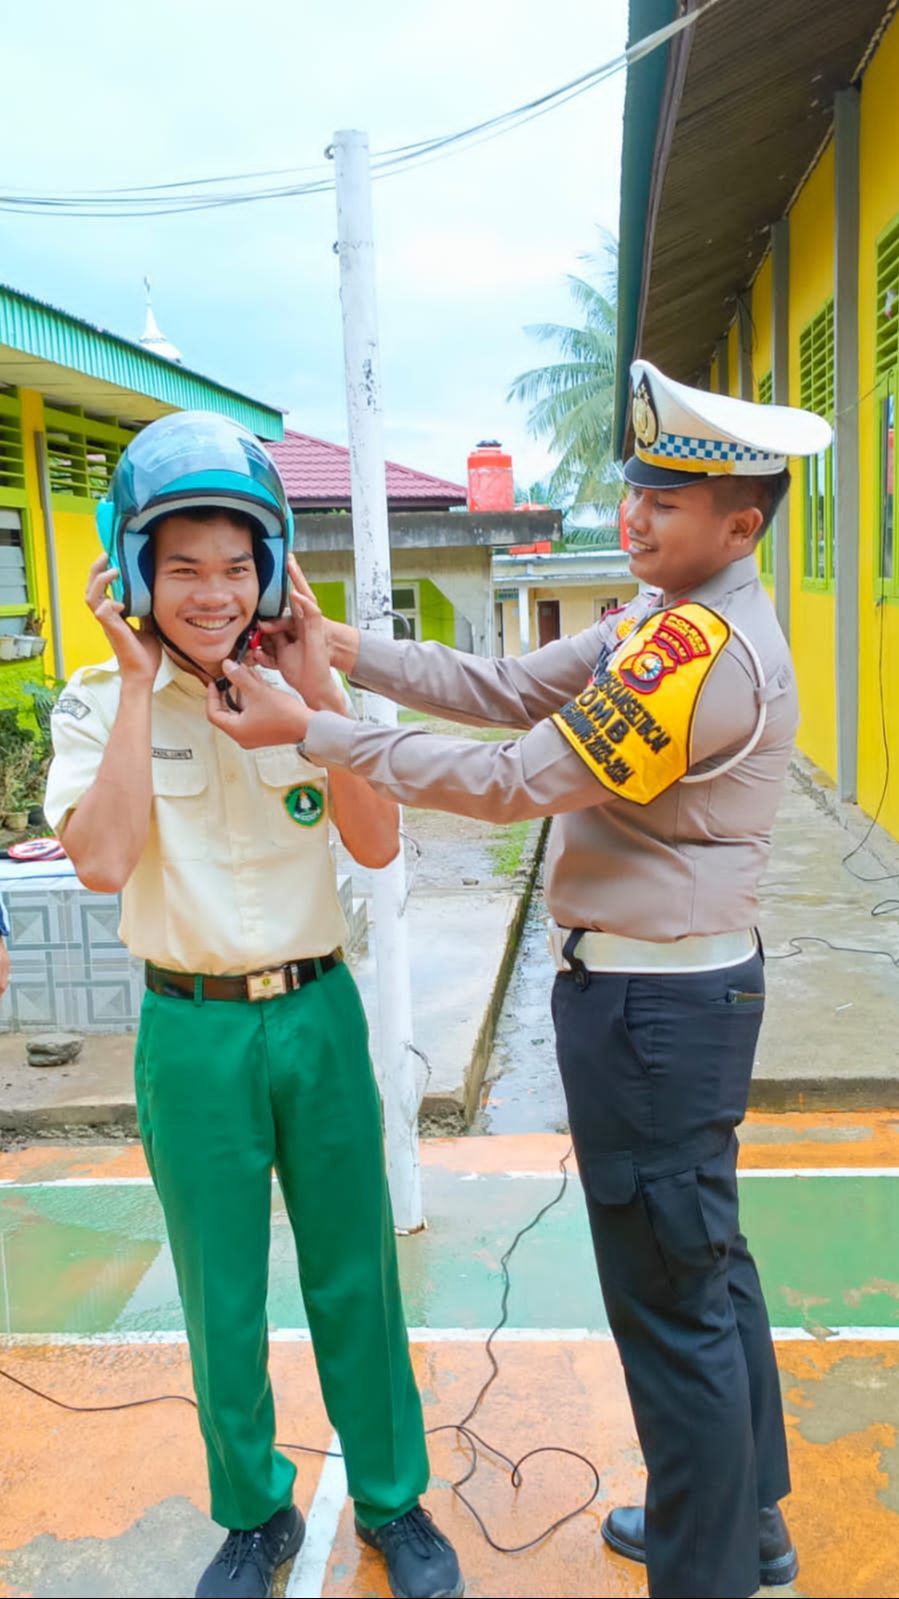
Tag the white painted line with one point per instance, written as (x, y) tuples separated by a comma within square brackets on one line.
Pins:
[(80, 1182), (435, 1335), (819, 1171), (308, 1573), (476, 1177)]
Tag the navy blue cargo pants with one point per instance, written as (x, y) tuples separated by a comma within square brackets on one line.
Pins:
[(656, 1071)]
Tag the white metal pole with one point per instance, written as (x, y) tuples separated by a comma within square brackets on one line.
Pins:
[(371, 541), (524, 619)]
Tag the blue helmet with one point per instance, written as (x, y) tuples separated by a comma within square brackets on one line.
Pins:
[(193, 458)]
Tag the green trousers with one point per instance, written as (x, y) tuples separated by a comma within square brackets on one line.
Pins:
[(227, 1092)]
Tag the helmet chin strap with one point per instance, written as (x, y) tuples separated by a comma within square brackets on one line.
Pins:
[(222, 683)]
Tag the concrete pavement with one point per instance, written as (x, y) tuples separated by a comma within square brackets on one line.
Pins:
[(115, 1503)]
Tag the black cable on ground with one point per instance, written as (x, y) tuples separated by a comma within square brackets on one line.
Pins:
[(460, 1428)]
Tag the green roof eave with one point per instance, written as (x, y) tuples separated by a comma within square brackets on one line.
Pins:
[(642, 105), (35, 329)]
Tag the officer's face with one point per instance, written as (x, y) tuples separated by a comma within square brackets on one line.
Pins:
[(205, 588), (680, 538)]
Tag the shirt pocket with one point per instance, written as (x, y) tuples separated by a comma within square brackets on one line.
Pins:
[(296, 797), (180, 806)]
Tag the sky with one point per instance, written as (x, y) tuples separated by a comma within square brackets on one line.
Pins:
[(470, 250)]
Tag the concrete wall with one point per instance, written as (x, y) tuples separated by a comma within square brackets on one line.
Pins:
[(454, 590)]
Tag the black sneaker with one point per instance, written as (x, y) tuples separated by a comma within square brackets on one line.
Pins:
[(421, 1563), (247, 1561)]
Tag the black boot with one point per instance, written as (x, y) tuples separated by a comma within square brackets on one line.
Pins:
[(247, 1561), (421, 1563), (624, 1531)]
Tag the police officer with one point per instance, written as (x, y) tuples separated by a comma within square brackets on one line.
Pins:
[(665, 772), (252, 1054)]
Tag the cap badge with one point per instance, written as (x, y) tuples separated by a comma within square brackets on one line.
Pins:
[(646, 423)]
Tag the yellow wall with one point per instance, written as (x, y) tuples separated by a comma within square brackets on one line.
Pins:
[(733, 360), (77, 545), (760, 310), (879, 206), (760, 306), (812, 618)]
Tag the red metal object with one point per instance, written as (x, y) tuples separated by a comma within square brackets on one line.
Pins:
[(542, 547), (490, 485), (623, 539)]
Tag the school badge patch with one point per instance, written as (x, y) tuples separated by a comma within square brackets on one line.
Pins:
[(305, 804), (633, 725)]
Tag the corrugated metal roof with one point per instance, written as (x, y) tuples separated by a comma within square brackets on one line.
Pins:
[(748, 104), (35, 332), (316, 474)]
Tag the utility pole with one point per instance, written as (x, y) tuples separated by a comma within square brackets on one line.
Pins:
[(374, 601)]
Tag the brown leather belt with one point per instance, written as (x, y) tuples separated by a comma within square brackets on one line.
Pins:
[(267, 984)]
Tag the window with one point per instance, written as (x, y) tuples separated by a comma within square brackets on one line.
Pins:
[(405, 603), (816, 394), (601, 607), (14, 600), (766, 547), (82, 452), (886, 373), (12, 454)]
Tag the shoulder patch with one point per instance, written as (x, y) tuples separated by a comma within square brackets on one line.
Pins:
[(633, 725), (71, 705)]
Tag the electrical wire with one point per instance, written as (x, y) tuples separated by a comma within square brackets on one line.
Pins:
[(462, 1429), (188, 195)]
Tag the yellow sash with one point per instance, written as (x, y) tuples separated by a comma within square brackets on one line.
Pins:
[(634, 726)]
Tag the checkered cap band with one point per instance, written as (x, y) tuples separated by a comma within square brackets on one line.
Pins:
[(681, 447)]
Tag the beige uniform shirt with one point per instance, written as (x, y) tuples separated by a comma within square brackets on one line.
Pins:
[(236, 873), (689, 862)]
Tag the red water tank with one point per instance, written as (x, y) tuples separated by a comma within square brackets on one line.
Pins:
[(490, 485), (623, 539)]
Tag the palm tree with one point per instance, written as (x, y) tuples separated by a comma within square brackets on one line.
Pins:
[(572, 401)]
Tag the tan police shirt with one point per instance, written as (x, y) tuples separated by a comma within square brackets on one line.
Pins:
[(236, 873), (688, 862)]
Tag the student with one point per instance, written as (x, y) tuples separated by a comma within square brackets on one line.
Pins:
[(252, 1054)]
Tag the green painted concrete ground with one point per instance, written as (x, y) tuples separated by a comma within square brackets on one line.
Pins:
[(93, 1259)]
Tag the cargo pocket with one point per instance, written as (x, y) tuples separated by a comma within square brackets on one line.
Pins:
[(693, 1215), (627, 1254)]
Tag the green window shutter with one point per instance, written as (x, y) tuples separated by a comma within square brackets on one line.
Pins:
[(82, 452), (766, 388), (886, 337), (816, 357), (886, 370), (12, 449)]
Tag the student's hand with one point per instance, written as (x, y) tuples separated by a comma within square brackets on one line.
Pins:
[(138, 653), (4, 966), (267, 715), (297, 645)]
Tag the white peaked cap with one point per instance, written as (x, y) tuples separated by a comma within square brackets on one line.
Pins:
[(683, 433)]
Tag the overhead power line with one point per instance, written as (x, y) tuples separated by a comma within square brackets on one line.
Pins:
[(205, 194)]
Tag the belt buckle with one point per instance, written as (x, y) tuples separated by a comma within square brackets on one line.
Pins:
[(266, 985)]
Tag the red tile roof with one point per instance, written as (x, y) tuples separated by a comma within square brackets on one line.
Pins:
[(317, 477)]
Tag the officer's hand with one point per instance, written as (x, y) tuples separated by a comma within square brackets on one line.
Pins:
[(325, 644), (266, 716), (297, 645), (138, 653), (4, 966)]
